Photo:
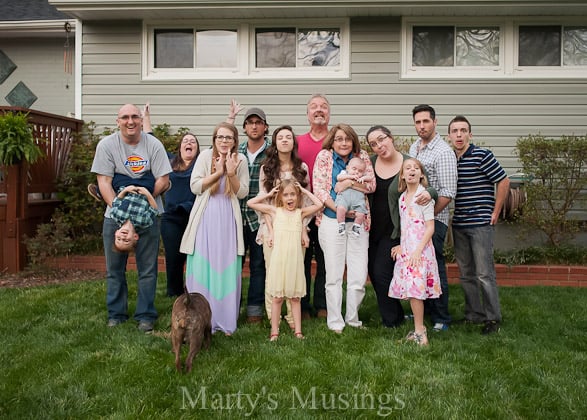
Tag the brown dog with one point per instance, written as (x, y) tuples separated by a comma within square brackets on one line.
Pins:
[(191, 322)]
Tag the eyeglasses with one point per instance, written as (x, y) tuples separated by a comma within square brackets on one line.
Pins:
[(378, 141), (130, 117), (189, 141), (225, 139), (255, 122), (343, 140)]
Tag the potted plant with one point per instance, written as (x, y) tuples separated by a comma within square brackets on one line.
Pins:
[(17, 142)]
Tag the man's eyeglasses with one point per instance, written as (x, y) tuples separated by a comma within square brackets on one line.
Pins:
[(255, 122), (225, 139), (378, 141)]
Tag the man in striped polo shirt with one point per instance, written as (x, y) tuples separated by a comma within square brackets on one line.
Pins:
[(477, 208)]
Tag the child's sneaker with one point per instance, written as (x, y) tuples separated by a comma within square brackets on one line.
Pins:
[(341, 229), (356, 230)]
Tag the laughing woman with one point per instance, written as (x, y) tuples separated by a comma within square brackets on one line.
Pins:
[(213, 238)]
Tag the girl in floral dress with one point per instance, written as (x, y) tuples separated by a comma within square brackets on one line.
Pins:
[(285, 274), (415, 276)]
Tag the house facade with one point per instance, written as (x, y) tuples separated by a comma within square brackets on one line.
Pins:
[(512, 67), (37, 49)]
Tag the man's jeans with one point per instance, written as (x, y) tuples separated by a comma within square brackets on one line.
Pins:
[(256, 295), (146, 254), (474, 255), (438, 308)]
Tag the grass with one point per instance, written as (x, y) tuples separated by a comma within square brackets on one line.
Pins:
[(59, 360)]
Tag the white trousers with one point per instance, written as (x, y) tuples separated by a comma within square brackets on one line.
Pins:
[(338, 250)]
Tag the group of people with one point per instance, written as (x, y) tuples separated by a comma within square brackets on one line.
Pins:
[(290, 199)]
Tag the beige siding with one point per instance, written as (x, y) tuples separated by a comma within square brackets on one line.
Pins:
[(40, 67), (375, 94)]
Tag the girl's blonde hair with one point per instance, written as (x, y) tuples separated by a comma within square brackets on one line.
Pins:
[(402, 182), (282, 186), (215, 154)]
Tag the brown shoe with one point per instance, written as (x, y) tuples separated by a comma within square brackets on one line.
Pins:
[(321, 313), (254, 319), (306, 316), (93, 191)]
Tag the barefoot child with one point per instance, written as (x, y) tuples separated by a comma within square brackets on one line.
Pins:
[(415, 276), (285, 274), (351, 199)]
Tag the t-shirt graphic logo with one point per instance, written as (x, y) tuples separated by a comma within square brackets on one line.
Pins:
[(135, 163)]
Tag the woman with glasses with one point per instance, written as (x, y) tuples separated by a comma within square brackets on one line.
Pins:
[(213, 239), (339, 147), (385, 233)]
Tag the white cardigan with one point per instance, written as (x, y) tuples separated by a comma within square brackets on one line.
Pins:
[(203, 168)]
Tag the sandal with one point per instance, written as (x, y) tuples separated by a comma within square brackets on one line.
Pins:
[(274, 337), (299, 335), (411, 336), (421, 338)]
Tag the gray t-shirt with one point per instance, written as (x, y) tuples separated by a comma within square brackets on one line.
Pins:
[(113, 155)]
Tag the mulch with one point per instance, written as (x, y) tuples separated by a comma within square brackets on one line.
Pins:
[(45, 277)]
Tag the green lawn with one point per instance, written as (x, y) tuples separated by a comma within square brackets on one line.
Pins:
[(59, 360)]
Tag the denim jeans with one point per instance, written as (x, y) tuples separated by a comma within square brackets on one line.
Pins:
[(146, 254), (314, 250), (474, 255), (256, 295), (438, 308), (172, 227), (381, 267)]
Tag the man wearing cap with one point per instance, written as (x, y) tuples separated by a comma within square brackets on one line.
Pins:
[(256, 128)]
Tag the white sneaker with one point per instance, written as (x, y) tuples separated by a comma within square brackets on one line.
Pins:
[(439, 326)]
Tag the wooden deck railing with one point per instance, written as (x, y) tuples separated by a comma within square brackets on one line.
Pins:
[(28, 192)]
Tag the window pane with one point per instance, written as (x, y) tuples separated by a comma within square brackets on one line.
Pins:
[(275, 47), (575, 46), (477, 46), (174, 48), (433, 46), (216, 48), (540, 46), (318, 48)]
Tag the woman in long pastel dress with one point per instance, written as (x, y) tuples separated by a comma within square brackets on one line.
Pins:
[(415, 275), (213, 238)]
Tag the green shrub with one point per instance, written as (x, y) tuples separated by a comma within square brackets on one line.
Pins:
[(556, 170)]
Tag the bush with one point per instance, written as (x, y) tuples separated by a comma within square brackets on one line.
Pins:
[(557, 173)]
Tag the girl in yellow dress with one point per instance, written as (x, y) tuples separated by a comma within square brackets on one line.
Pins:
[(285, 274)]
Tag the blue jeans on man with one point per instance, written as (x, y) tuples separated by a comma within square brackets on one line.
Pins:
[(438, 308), (256, 294), (146, 254), (474, 255)]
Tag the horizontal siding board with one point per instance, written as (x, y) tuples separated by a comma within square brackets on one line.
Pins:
[(501, 111)]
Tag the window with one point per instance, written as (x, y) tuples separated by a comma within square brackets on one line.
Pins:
[(495, 48), (552, 46), (314, 49)]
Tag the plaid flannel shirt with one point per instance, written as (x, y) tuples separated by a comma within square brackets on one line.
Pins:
[(133, 207), (249, 215)]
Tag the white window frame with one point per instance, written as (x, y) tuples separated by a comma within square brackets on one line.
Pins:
[(245, 69), (508, 51)]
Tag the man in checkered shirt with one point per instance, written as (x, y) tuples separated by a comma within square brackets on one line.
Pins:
[(440, 162)]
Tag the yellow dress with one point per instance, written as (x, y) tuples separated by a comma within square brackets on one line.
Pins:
[(285, 275)]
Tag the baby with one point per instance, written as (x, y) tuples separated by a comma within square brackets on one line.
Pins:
[(351, 199)]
